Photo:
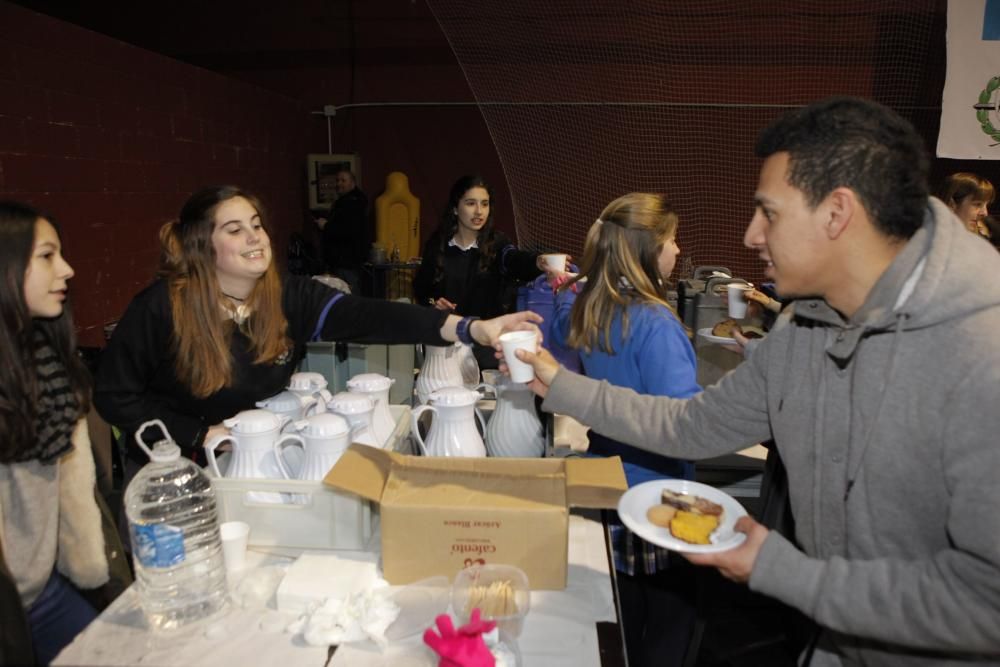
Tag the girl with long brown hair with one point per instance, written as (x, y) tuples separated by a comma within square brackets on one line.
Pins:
[(220, 329)]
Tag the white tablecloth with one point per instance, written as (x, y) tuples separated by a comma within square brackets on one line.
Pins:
[(559, 630)]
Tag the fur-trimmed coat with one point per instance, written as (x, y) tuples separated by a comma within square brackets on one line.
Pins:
[(89, 554)]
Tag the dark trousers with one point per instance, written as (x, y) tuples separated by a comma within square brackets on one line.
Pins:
[(58, 615), (658, 614)]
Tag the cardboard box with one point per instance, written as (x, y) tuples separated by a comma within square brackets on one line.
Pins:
[(440, 515)]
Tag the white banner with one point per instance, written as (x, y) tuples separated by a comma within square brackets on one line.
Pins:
[(970, 106)]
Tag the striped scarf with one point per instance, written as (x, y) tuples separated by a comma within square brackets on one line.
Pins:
[(57, 407)]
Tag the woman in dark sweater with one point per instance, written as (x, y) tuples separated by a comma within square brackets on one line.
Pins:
[(468, 267), (220, 330)]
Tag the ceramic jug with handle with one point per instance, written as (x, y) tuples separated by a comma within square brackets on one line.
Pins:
[(324, 437), (313, 384), (515, 429), (442, 367), (358, 410), (377, 388), (453, 430), (291, 405), (253, 434)]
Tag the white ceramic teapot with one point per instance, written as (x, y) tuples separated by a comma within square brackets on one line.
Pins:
[(515, 429), (253, 434), (324, 437), (291, 405), (453, 430), (307, 383), (377, 388), (358, 410), (442, 367)]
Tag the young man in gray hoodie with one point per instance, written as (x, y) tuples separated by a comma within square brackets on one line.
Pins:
[(882, 395)]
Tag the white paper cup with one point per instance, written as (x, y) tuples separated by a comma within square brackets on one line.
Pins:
[(555, 261), (235, 535), (519, 340), (737, 300)]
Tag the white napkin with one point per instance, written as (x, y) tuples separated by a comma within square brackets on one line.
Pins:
[(362, 615)]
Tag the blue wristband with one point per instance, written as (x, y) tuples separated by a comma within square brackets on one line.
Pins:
[(463, 330)]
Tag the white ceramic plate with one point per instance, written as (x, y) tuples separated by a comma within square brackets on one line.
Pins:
[(706, 333), (636, 502)]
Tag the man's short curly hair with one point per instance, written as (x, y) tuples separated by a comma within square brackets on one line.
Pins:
[(858, 144)]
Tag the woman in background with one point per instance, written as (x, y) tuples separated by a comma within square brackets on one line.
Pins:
[(627, 333), (968, 196), (221, 330), (56, 536), (468, 267)]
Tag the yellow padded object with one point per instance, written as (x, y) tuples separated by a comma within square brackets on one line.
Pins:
[(397, 217)]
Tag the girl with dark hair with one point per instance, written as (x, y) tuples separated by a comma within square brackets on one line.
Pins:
[(220, 329), (628, 334), (469, 267), (52, 539)]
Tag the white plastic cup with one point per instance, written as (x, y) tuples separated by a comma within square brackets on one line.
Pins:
[(235, 535), (519, 340), (555, 262), (737, 300)]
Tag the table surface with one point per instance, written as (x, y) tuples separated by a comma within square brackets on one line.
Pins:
[(561, 628)]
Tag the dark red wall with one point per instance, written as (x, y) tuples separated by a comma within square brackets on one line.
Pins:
[(111, 139)]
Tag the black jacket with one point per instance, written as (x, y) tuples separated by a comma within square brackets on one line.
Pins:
[(347, 234), (136, 379), (485, 293)]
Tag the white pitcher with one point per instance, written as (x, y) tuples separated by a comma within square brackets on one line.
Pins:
[(291, 405), (453, 430), (358, 410), (307, 383), (442, 367), (324, 437), (253, 434), (515, 429), (377, 388)]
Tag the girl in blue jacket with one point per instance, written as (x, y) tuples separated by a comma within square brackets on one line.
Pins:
[(627, 333)]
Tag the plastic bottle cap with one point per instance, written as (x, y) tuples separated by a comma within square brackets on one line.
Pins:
[(165, 451)]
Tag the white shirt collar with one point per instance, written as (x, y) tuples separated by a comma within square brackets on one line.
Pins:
[(453, 242)]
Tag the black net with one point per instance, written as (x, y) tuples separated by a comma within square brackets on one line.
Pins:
[(588, 100)]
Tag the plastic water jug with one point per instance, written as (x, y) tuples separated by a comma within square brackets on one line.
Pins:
[(176, 548)]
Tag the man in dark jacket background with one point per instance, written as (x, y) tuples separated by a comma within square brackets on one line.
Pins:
[(345, 232)]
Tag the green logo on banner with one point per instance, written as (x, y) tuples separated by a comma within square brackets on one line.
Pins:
[(988, 109)]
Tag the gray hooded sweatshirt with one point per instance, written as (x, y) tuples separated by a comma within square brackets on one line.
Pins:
[(901, 405)]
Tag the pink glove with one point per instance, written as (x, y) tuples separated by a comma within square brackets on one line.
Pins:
[(464, 647)]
